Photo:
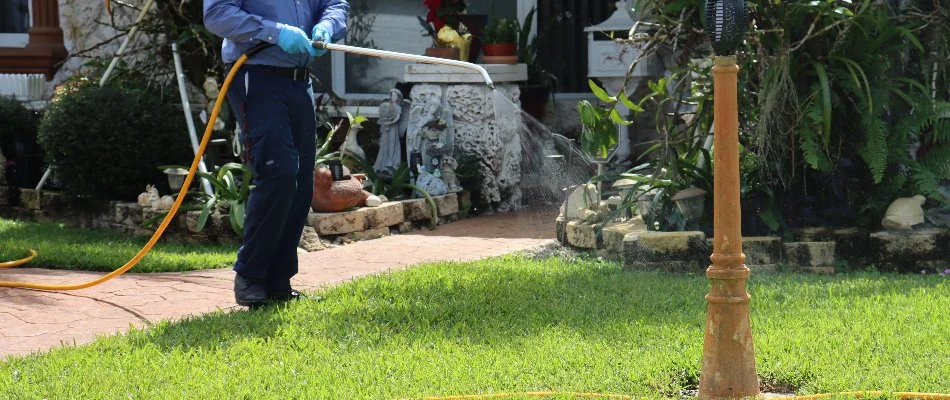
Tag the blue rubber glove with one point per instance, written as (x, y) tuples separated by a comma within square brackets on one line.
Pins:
[(294, 40), (320, 34)]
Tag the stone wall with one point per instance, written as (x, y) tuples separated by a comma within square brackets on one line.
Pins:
[(817, 250), (359, 224), (478, 132), (494, 138), (85, 27)]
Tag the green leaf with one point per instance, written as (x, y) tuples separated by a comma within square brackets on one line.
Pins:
[(844, 11), (855, 67), (434, 208), (615, 116), (590, 115), (600, 93), (205, 213), (900, 93), (236, 217), (914, 83), (359, 120), (153, 219), (629, 104), (907, 34), (771, 217), (874, 151), (245, 184), (826, 101)]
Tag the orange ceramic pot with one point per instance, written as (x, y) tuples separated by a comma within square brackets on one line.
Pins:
[(336, 196)]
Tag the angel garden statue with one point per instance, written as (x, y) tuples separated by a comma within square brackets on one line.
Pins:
[(393, 123)]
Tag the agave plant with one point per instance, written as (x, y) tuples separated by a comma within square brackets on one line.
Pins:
[(230, 191)]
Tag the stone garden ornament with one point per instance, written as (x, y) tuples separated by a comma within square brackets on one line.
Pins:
[(149, 198), (393, 123), (351, 146), (449, 165), (904, 213), (431, 125)]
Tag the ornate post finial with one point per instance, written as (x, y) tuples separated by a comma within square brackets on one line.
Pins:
[(726, 24)]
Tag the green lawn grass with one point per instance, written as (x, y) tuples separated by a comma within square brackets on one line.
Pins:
[(64, 247), (513, 325)]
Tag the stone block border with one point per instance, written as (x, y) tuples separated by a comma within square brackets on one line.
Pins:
[(815, 250), (359, 224)]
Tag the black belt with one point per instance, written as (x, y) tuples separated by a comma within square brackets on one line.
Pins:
[(297, 74)]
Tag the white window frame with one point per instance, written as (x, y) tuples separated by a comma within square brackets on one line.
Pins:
[(338, 61), (18, 40)]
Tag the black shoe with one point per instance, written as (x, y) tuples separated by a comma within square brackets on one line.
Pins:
[(250, 292), (280, 291), (284, 296)]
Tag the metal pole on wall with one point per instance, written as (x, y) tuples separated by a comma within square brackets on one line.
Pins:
[(115, 61), (728, 366), (189, 119)]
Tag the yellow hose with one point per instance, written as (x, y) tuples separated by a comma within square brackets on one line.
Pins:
[(17, 263), (168, 218)]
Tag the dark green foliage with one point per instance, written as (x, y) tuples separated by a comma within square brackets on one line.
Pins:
[(834, 96), (16, 120), (108, 141)]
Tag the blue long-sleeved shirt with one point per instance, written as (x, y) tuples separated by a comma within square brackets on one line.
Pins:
[(246, 23)]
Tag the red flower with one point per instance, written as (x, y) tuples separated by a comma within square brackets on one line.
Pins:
[(433, 16)]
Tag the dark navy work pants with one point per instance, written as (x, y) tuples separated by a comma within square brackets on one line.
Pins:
[(278, 123)]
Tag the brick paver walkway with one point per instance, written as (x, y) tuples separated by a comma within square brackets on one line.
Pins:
[(36, 321)]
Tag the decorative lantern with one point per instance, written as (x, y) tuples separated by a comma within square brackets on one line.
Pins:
[(726, 23), (691, 203), (176, 177)]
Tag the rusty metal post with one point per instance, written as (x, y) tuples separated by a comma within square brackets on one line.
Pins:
[(728, 370)]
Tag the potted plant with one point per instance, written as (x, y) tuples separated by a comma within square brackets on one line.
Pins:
[(442, 13), (500, 41)]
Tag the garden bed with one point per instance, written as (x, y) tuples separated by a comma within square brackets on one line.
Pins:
[(359, 224), (818, 250)]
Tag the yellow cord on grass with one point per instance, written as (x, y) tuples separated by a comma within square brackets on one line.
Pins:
[(17, 263), (168, 218)]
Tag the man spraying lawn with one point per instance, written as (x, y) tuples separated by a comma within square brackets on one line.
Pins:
[(272, 98)]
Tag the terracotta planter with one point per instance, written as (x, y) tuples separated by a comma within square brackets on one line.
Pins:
[(444, 52), (500, 49), (335, 196)]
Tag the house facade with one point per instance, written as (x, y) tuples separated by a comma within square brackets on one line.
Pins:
[(31, 39), (45, 37)]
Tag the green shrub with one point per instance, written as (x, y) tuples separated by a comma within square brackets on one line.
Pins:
[(108, 141)]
